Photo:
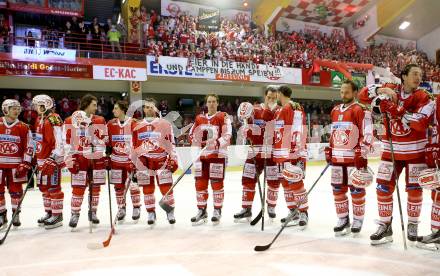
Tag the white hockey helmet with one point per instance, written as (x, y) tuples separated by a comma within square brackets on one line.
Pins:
[(245, 111), (80, 119), (10, 103), (43, 100)]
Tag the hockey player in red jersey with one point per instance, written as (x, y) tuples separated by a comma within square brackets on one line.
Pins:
[(212, 131), (85, 139), (409, 109), (50, 159), (119, 149), (258, 152), (430, 179), (16, 151), (350, 141), (155, 158), (290, 150)]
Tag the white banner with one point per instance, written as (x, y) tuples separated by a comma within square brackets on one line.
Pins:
[(241, 17), (289, 25), (42, 54), (177, 8), (223, 70), (119, 73)]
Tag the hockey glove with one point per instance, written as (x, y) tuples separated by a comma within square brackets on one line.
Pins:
[(359, 161), (172, 165), (49, 167), (328, 155), (392, 108), (23, 169), (432, 155)]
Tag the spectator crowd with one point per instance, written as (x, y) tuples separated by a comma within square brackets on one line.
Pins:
[(178, 37)]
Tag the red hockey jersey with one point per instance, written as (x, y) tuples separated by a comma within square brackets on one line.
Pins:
[(290, 135), (85, 140), (49, 138), (154, 139), (409, 132), (257, 124), (16, 144), (217, 127), (351, 128), (120, 140)]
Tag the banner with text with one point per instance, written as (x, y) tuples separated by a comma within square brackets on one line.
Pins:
[(177, 8), (289, 25), (119, 73), (223, 70), (209, 20), (42, 54), (30, 68)]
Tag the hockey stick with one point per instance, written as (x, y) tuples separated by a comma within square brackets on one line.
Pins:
[(290, 216), (90, 176), (260, 214), (99, 245), (109, 195), (162, 203), (18, 206), (396, 180)]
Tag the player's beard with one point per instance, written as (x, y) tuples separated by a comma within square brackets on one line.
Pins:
[(347, 100)]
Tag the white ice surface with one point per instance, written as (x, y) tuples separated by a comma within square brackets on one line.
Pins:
[(226, 249)]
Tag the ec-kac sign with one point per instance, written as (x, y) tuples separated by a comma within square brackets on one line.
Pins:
[(119, 73)]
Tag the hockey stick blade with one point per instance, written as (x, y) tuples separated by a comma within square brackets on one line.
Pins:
[(260, 248), (165, 206), (257, 218)]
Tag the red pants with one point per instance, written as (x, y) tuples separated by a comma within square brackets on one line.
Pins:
[(386, 184), (118, 177), (213, 170), (50, 187), (15, 187), (294, 192), (251, 171), (89, 171), (164, 179), (339, 182)]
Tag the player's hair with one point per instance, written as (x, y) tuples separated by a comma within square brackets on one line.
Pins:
[(212, 95), (406, 70), (285, 90), (86, 100), (123, 105), (353, 85), (150, 100), (270, 88)]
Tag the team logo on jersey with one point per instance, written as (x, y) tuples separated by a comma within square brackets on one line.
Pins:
[(121, 147), (8, 148), (84, 141), (398, 128), (340, 138), (150, 145), (340, 117)]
